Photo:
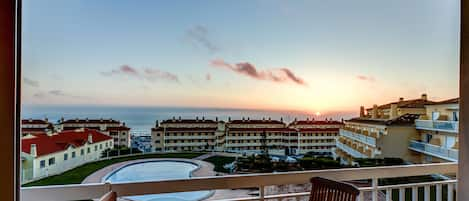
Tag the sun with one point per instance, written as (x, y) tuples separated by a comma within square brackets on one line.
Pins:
[(318, 113)]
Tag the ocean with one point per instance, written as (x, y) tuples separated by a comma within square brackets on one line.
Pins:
[(142, 119)]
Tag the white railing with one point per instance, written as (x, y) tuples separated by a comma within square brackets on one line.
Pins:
[(371, 192), (359, 137), (446, 126), (434, 150), (350, 150)]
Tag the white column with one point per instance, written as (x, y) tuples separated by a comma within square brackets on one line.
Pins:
[(463, 168)]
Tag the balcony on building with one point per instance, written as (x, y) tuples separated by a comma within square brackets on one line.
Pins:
[(435, 149)]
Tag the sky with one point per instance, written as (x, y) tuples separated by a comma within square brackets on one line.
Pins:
[(312, 55)]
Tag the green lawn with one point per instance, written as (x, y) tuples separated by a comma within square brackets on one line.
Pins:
[(78, 174), (219, 162)]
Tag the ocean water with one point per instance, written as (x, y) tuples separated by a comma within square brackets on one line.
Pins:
[(142, 119)]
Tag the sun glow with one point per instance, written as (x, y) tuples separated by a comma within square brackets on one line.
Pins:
[(318, 113)]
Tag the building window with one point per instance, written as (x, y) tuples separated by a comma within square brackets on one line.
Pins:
[(82, 152), (42, 164), (100, 146), (73, 154), (51, 161), (88, 150), (95, 147), (65, 157)]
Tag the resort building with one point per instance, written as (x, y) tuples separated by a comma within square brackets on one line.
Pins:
[(317, 137), (437, 139), (35, 126), (246, 136), (53, 153), (257, 136), (185, 134), (384, 131), (114, 128), (276, 137)]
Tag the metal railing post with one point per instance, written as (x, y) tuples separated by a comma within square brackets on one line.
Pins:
[(374, 192), (261, 193)]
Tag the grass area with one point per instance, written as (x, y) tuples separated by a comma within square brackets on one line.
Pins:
[(219, 162), (78, 174)]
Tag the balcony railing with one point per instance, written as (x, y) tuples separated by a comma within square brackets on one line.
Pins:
[(446, 126), (372, 191), (359, 137), (354, 153), (434, 150)]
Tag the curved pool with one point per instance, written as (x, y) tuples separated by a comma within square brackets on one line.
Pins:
[(157, 171)]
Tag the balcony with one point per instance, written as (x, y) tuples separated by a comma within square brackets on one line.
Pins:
[(435, 125), (354, 153), (371, 190), (434, 150), (371, 141)]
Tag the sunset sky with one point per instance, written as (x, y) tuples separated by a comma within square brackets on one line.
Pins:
[(314, 56)]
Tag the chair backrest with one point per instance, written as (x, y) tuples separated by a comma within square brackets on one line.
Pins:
[(110, 196), (328, 190)]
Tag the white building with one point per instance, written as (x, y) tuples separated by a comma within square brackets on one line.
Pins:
[(33, 126), (114, 128), (49, 154)]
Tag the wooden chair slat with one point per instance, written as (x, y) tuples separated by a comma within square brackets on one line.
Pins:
[(328, 190)]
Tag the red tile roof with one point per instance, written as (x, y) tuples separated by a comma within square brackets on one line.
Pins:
[(68, 128), (32, 130), (449, 101), (189, 121), (414, 103), (255, 121), (318, 129), (34, 121), (59, 142), (314, 122), (118, 128), (263, 129), (91, 121), (403, 120), (198, 129)]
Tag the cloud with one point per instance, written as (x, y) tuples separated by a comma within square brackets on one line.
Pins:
[(39, 95), (149, 74), (30, 82), (199, 36), (57, 93), (208, 77), (155, 74), (366, 78), (280, 75)]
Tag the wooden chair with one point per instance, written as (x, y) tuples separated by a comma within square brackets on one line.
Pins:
[(328, 190), (110, 196)]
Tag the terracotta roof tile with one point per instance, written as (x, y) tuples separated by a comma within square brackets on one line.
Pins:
[(58, 142), (94, 121)]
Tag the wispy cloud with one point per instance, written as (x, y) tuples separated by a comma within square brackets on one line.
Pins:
[(199, 36), (39, 95), (366, 78), (55, 93), (30, 82), (155, 74), (279, 75), (149, 74)]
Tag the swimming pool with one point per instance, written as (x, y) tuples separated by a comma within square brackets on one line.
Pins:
[(157, 171)]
